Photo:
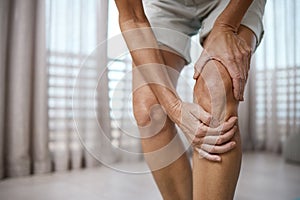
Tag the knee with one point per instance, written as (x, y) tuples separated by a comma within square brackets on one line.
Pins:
[(147, 111), (217, 79), (213, 90)]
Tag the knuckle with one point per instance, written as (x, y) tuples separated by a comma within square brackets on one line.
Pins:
[(212, 149), (220, 140), (235, 74), (200, 134), (194, 141), (202, 129), (235, 129), (239, 56), (246, 53), (229, 57)]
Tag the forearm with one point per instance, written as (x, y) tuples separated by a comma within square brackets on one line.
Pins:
[(233, 14), (150, 66)]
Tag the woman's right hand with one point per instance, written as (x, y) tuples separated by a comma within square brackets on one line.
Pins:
[(194, 121)]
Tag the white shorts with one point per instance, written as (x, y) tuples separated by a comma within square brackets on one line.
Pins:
[(191, 16)]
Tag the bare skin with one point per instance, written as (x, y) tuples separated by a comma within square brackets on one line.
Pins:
[(212, 180), (175, 180), (219, 180)]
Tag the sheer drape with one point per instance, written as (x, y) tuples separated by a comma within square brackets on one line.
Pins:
[(23, 100), (43, 45), (79, 121), (275, 89)]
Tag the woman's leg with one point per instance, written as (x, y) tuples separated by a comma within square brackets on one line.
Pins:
[(213, 91), (174, 180)]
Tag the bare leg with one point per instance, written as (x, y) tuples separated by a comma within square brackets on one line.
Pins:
[(217, 181), (175, 180)]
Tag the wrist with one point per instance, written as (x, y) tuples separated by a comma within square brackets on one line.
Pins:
[(172, 106), (225, 26), (173, 110), (233, 14)]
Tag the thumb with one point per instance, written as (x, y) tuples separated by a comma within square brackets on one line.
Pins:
[(203, 59)]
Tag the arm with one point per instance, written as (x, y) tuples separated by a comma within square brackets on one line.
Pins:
[(233, 51), (144, 50)]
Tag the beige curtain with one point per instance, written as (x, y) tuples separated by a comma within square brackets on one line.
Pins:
[(24, 131), (79, 121), (42, 46)]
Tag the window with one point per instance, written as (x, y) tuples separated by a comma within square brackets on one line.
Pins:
[(277, 75)]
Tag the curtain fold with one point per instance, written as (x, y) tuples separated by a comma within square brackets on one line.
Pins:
[(43, 46), (103, 112), (4, 14), (40, 130), (275, 97), (78, 90), (24, 134)]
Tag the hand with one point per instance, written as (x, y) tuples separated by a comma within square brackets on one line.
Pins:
[(210, 141), (192, 119), (225, 46), (188, 117)]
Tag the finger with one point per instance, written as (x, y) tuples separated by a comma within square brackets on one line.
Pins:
[(242, 54), (203, 154), (230, 62), (216, 140), (236, 82), (246, 46), (234, 73), (218, 149), (239, 55), (247, 54), (220, 130), (243, 65), (244, 50), (227, 136), (198, 112), (203, 59), (242, 85)]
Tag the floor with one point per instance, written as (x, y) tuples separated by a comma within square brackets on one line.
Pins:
[(263, 177)]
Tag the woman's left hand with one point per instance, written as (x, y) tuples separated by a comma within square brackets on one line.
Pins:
[(224, 45)]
